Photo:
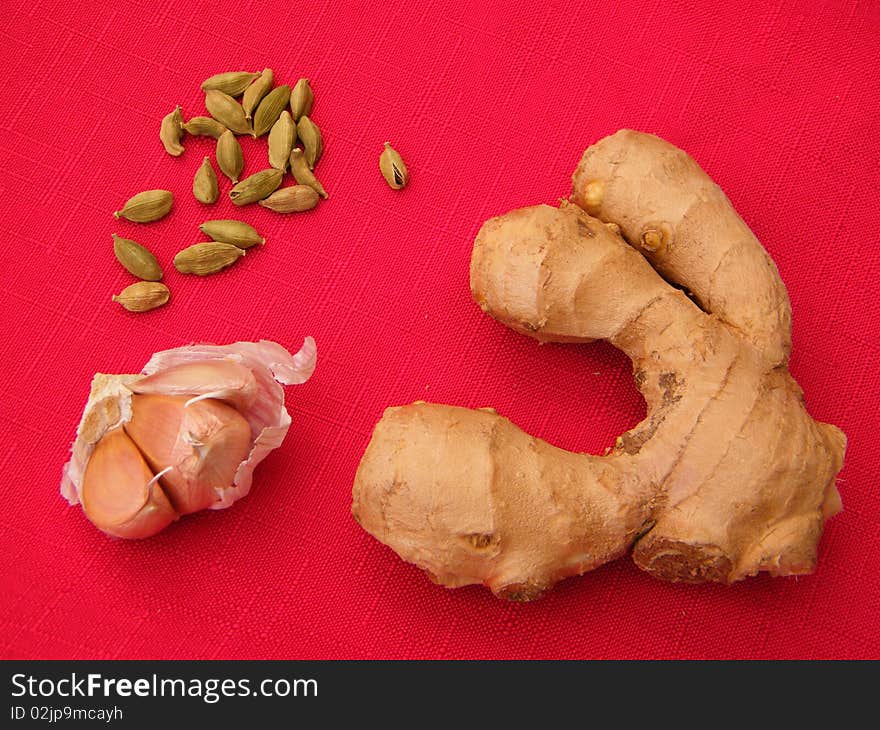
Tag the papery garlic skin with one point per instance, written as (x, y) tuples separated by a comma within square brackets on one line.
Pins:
[(200, 379), (108, 407), (202, 416)]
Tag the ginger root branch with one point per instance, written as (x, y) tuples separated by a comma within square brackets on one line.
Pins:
[(727, 475)]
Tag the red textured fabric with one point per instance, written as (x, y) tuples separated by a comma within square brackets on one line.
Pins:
[(491, 104)]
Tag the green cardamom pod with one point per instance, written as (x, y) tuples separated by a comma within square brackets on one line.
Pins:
[(256, 187), (146, 207), (233, 83), (254, 93), (171, 132), (310, 136), (205, 186), (270, 109), (143, 296), (282, 137), (204, 127), (299, 168), (301, 100), (392, 167), (136, 259), (227, 111), (203, 259), (229, 156), (293, 199), (238, 233)]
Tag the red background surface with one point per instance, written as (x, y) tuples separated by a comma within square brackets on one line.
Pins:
[(491, 104)]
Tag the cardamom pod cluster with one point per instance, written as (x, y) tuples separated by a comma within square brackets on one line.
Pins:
[(183, 436), (238, 103), (281, 112), (229, 239)]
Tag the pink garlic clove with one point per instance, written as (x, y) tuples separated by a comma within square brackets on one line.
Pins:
[(119, 494), (194, 426), (221, 379), (203, 443)]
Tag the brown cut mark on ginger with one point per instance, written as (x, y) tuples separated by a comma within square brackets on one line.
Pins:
[(480, 540)]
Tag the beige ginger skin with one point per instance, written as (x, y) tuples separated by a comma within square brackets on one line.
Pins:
[(727, 475)]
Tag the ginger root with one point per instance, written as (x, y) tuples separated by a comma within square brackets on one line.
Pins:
[(727, 475)]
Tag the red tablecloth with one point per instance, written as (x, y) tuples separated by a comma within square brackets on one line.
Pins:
[(491, 104)]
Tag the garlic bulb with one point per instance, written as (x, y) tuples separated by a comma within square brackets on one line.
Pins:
[(184, 436)]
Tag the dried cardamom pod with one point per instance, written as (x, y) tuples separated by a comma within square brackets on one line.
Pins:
[(232, 82), (204, 127), (392, 167), (143, 296), (293, 199), (171, 132), (136, 259), (302, 174), (205, 186), (282, 137), (227, 111), (146, 207), (310, 136), (238, 233), (229, 156), (256, 187), (301, 100), (203, 259), (254, 93), (270, 109)]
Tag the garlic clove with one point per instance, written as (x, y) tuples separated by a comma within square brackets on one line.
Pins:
[(119, 494), (221, 439), (157, 427), (221, 379), (203, 443), (236, 387)]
